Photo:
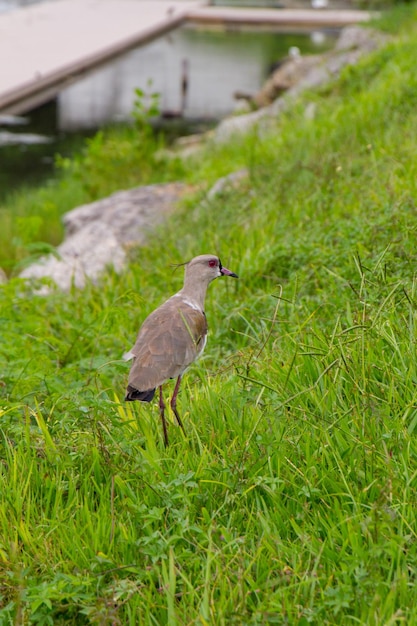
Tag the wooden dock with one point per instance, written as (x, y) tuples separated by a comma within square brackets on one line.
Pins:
[(284, 19), (47, 46)]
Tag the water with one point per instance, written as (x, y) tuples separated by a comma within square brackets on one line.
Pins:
[(213, 65), (29, 163)]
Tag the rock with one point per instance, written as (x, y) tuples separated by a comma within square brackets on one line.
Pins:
[(288, 74), (365, 39), (236, 125), (188, 145), (231, 180), (83, 256), (98, 234), (294, 77), (243, 104), (130, 215)]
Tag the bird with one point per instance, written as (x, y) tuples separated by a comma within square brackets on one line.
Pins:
[(172, 337)]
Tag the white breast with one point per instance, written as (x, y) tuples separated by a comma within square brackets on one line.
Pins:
[(190, 303)]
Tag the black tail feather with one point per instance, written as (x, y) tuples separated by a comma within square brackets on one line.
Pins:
[(135, 394)]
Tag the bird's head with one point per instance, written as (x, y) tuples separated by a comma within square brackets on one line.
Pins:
[(207, 267)]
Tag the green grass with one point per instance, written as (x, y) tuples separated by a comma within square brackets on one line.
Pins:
[(115, 158), (292, 500)]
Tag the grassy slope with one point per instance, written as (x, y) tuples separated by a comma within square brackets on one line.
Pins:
[(292, 501), (115, 159)]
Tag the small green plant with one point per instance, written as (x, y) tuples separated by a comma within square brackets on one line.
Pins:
[(146, 106)]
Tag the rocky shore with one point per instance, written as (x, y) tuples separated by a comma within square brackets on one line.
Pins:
[(99, 234)]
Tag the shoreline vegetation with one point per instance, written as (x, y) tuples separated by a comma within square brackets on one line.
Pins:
[(292, 499)]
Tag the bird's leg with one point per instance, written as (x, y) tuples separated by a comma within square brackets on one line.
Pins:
[(162, 412), (174, 402)]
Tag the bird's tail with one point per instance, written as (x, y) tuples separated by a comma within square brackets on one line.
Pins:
[(135, 394)]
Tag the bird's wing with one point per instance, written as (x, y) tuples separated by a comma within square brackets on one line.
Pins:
[(169, 340)]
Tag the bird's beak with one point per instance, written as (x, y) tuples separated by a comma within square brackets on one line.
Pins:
[(226, 272)]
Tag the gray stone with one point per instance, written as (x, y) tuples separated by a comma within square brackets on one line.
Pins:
[(82, 257), (295, 77), (290, 73), (226, 182), (130, 214), (98, 234), (365, 39), (236, 125)]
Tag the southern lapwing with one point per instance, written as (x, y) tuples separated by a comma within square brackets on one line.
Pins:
[(173, 336)]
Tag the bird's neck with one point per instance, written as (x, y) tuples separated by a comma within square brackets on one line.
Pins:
[(196, 292)]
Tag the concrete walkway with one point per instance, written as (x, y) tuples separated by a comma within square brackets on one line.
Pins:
[(278, 18), (45, 47)]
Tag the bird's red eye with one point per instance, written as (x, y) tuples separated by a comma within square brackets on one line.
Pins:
[(212, 263)]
